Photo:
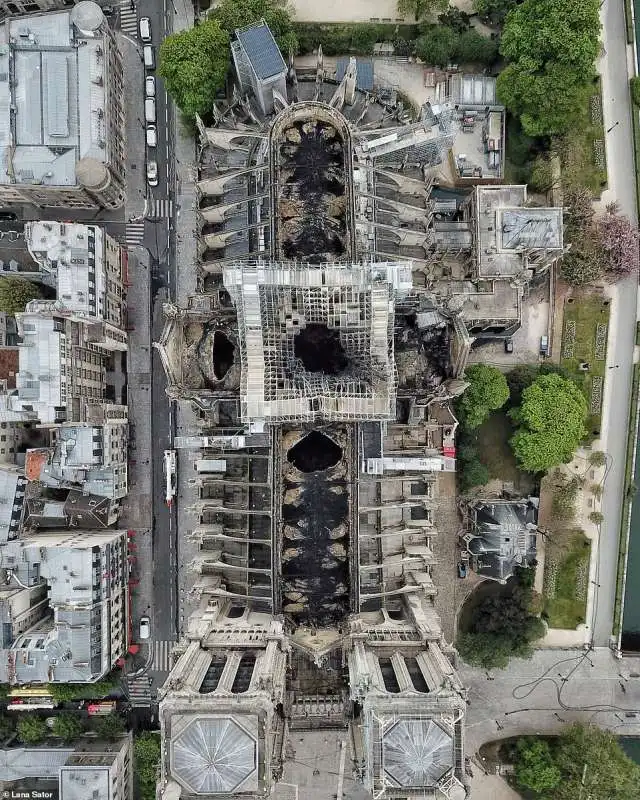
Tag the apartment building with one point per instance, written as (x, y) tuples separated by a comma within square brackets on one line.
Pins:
[(88, 265), (63, 363), (92, 457), (62, 143), (91, 768), (85, 630)]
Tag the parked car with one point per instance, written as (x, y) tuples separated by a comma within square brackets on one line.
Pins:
[(145, 627), (462, 569), (152, 173), (150, 86), (152, 136), (508, 345), (145, 29), (150, 110), (149, 57)]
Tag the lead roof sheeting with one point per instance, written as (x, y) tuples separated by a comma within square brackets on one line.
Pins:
[(262, 50), (37, 762), (56, 85), (364, 67)]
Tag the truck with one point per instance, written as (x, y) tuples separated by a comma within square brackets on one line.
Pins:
[(170, 476)]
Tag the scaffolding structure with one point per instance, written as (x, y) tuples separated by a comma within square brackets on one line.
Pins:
[(276, 301)]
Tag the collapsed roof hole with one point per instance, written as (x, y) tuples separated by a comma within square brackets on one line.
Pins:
[(314, 452), (222, 355), (320, 349)]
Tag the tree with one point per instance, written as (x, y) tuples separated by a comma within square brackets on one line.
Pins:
[(455, 19), (552, 47), (420, 9), (582, 264), (634, 85), (494, 11), (31, 730), (596, 490), (6, 727), (473, 47), (81, 691), (487, 391), (472, 474), (596, 517), (564, 496), (15, 293), (618, 243), (578, 210), (109, 727), (597, 458), (233, 14), (551, 423), (542, 175), (146, 751), (502, 625), (436, 46), (610, 774), (67, 726), (524, 375), (194, 66), (534, 766)]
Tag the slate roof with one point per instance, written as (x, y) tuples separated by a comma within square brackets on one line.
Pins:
[(261, 49), (364, 67)]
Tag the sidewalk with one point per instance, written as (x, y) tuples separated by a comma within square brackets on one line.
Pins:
[(137, 507), (186, 284)]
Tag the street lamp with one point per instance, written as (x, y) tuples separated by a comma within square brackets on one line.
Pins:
[(613, 126)]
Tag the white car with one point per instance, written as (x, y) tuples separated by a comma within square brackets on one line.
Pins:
[(145, 29), (152, 173), (145, 627), (149, 86), (152, 136)]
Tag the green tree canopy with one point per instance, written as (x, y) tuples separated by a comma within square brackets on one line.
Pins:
[(15, 293), (419, 9), (524, 375), (535, 767), (194, 64), (109, 726), (502, 625), (232, 14), (474, 47), (494, 11), (487, 392), (437, 45), (82, 691), (551, 423), (31, 730), (552, 46), (67, 726), (146, 751)]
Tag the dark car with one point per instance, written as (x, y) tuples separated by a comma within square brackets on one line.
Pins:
[(8, 216), (508, 345), (462, 569)]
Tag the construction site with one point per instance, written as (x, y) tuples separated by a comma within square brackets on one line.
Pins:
[(338, 302)]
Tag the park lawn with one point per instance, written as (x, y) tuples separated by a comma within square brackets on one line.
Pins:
[(496, 454), (577, 147), (586, 310), (566, 579)]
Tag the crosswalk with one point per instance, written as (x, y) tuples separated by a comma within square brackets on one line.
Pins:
[(128, 18), (159, 207), (162, 661), (139, 689), (134, 233)]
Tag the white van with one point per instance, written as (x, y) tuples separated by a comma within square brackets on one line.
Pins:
[(150, 110), (145, 29), (149, 57)]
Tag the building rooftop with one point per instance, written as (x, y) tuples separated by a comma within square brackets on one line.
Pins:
[(12, 486), (511, 236), (20, 763), (77, 510), (59, 95), (261, 49), (502, 536), (365, 71)]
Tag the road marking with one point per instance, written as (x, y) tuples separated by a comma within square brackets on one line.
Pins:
[(162, 655), (159, 207), (128, 18), (134, 233)]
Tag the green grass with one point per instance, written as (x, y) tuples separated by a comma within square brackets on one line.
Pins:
[(626, 510), (566, 579), (576, 149), (496, 454), (635, 124), (586, 310)]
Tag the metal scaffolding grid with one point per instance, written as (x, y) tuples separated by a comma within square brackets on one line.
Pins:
[(275, 302)]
